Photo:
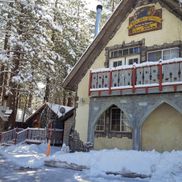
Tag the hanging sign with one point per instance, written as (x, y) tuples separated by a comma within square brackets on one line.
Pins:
[(144, 20)]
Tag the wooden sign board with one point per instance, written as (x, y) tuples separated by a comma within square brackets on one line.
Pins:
[(144, 20)]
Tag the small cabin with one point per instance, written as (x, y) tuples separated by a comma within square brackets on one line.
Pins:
[(54, 117)]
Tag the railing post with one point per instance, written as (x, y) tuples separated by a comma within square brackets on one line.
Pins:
[(27, 133), (133, 78), (160, 76), (90, 83), (16, 137), (0, 137), (110, 82)]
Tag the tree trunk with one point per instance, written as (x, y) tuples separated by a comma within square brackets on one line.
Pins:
[(47, 91), (4, 71)]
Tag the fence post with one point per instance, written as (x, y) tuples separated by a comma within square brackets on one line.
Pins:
[(27, 133), (160, 76), (133, 78), (90, 83), (0, 137), (16, 137), (110, 82)]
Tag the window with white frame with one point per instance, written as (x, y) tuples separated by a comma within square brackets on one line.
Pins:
[(116, 62), (163, 54), (133, 59), (124, 56), (118, 121), (100, 126)]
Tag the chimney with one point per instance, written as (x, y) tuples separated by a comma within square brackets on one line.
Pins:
[(98, 19)]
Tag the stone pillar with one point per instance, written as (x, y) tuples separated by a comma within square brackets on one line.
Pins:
[(137, 138), (67, 129)]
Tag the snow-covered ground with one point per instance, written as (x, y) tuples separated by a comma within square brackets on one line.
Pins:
[(162, 167)]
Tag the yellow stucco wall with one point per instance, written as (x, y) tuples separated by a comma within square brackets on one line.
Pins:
[(110, 143), (82, 112), (162, 130), (171, 31)]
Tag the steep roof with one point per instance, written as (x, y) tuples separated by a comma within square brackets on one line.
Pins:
[(54, 107), (108, 31)]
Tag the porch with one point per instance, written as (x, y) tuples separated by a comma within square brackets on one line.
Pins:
[(144, 78), (31, 136)]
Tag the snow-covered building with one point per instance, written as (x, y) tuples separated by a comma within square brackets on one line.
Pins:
[(129, 80), (53, 116)]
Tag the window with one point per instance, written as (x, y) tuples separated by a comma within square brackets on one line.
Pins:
[(154, 56), (117, 63), (118, 120), (164, 54), (170, 53), (132, 61), (124, 52), (100, 126), (126, 56)]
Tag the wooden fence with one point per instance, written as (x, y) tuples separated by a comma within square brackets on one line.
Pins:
[(32, 135)]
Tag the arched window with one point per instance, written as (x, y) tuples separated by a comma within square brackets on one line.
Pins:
[(113, 120), (118, 120)]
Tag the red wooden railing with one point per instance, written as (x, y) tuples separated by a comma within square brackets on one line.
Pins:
[(134, 78)]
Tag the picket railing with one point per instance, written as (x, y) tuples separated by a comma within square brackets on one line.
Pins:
[(149, 77), (8, 136), (32, 135)]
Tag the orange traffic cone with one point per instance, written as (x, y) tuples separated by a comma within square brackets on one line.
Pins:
[(48, 151)]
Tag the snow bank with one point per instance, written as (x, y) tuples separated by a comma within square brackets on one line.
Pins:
[(32, 156), (163, 167), (112, 160)]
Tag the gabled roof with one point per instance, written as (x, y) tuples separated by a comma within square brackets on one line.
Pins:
[(108, 31), (54, 107)]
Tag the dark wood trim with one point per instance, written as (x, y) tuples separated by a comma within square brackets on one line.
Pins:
[(145, 2), (173, 7), (164, 46)]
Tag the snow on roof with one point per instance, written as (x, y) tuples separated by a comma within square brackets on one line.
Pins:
[(175, 60), (57, 109)]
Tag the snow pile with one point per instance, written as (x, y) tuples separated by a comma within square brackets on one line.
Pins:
[(32, 156), (112, 160), (162, 167)]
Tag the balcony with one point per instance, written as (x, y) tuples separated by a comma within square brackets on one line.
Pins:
[(149, 77)]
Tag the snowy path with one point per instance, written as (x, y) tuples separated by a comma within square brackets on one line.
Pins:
[(10, 173)]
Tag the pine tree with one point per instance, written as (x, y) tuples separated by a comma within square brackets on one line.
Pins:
[(69, 43), (42, 40), (28, 46)]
